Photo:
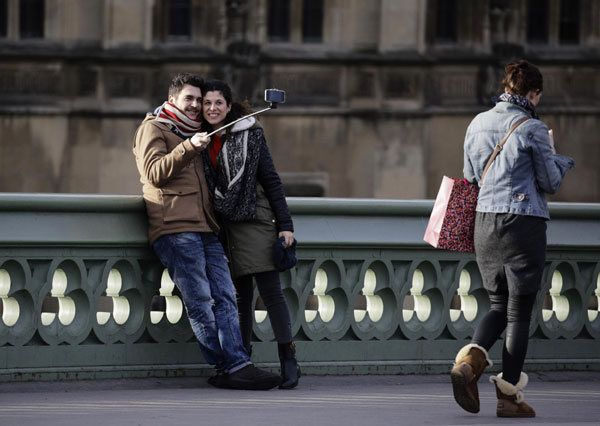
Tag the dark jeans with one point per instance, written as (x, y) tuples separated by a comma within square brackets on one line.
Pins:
[(198, 266), (270, 291), (511, 251)]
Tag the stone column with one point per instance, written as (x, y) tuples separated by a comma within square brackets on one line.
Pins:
[(73, 23), (590, 23), (122, 23), (402, 25), (351, 24)]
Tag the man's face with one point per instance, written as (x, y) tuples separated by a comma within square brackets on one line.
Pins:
[(189, 100)]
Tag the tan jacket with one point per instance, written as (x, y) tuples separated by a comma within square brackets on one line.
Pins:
[(171, 171)]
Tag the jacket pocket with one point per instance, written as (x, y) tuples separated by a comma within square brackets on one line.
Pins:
[(520, 197), (181, 205), (264, 212)]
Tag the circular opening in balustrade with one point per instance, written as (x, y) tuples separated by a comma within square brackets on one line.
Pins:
[(416, 303), (9, 307), (167, 304), (112, 303), (368, 304), (260, 311), (555, 303), (57, 304), (594, 302), (463, 303), (319, 303), (563, 305)]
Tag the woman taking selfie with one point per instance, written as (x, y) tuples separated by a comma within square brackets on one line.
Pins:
[(251, 205), (510, 234)]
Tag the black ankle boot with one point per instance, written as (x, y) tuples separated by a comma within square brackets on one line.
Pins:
[(290, 372)]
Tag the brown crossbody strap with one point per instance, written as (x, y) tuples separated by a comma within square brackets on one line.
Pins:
[(498, 147)]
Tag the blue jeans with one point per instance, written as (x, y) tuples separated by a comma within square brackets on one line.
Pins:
[(197, 265)]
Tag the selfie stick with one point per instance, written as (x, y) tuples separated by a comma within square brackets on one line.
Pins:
[(240, 119), (272, 106)]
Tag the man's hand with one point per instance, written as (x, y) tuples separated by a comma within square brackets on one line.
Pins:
[(200, 141), (288, 236)]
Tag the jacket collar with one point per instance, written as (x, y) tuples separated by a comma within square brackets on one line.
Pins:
[(508, 107), (245, 124)]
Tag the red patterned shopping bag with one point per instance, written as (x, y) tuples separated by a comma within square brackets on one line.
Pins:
[(452, 219)]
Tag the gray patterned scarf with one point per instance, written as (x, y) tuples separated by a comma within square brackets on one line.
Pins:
[(522, 101), (233, 182)]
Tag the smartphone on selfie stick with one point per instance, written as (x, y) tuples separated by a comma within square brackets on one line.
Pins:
[(273, 96)]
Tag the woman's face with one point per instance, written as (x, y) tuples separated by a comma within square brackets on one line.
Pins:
[(534, 96), (215, 108)]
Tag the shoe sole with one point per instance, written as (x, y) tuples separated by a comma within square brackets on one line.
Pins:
[(462, 394), (514, 415), (255, 384), (293, 385), (218, 383)]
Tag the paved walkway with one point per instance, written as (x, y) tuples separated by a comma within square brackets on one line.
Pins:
[(559, 399)]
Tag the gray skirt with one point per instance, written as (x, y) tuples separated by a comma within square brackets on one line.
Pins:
[(511, 252)]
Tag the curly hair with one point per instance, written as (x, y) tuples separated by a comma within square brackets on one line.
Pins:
[(520, 77)]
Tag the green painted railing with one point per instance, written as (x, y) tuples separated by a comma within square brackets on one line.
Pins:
[(82, 295)]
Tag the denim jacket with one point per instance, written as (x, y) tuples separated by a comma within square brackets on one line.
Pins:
[(524, 170)]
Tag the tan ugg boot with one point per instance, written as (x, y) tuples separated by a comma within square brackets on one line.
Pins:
[(510, 397), (470, 362)]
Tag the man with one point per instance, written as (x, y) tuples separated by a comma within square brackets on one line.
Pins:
[(183, 232)]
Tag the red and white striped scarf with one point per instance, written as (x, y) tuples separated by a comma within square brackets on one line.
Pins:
[(180, 123)]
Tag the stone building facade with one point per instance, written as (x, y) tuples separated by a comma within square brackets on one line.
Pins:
[(379, 93)]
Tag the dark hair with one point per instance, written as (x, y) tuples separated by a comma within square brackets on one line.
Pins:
[(181, 80), (238, 109), (218, 86), (521, 76)]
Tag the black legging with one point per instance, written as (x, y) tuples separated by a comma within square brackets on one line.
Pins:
[(512, 313), (270, 291)]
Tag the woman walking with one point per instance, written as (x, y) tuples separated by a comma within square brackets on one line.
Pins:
[(510, 234), (250, 203)]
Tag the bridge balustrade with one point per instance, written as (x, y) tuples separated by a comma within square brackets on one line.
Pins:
[(83, 296)]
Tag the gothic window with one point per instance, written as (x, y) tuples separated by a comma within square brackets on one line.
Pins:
[(3, 17), (537, 21), (179, 24), (296, 21), (446, 21), (31, 18), (312, 21), (569, 22), (279, 20)]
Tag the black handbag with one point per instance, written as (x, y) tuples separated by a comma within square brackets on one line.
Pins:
[(284, 258)]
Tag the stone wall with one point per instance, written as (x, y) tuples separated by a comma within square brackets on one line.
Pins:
[(375, 110)]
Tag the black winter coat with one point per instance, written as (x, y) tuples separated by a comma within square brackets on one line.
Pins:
[(249, 244)]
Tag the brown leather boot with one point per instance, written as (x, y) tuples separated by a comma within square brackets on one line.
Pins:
[(510, 397), (470, 362)]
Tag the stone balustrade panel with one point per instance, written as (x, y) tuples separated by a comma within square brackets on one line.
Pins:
[(367, 294)]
